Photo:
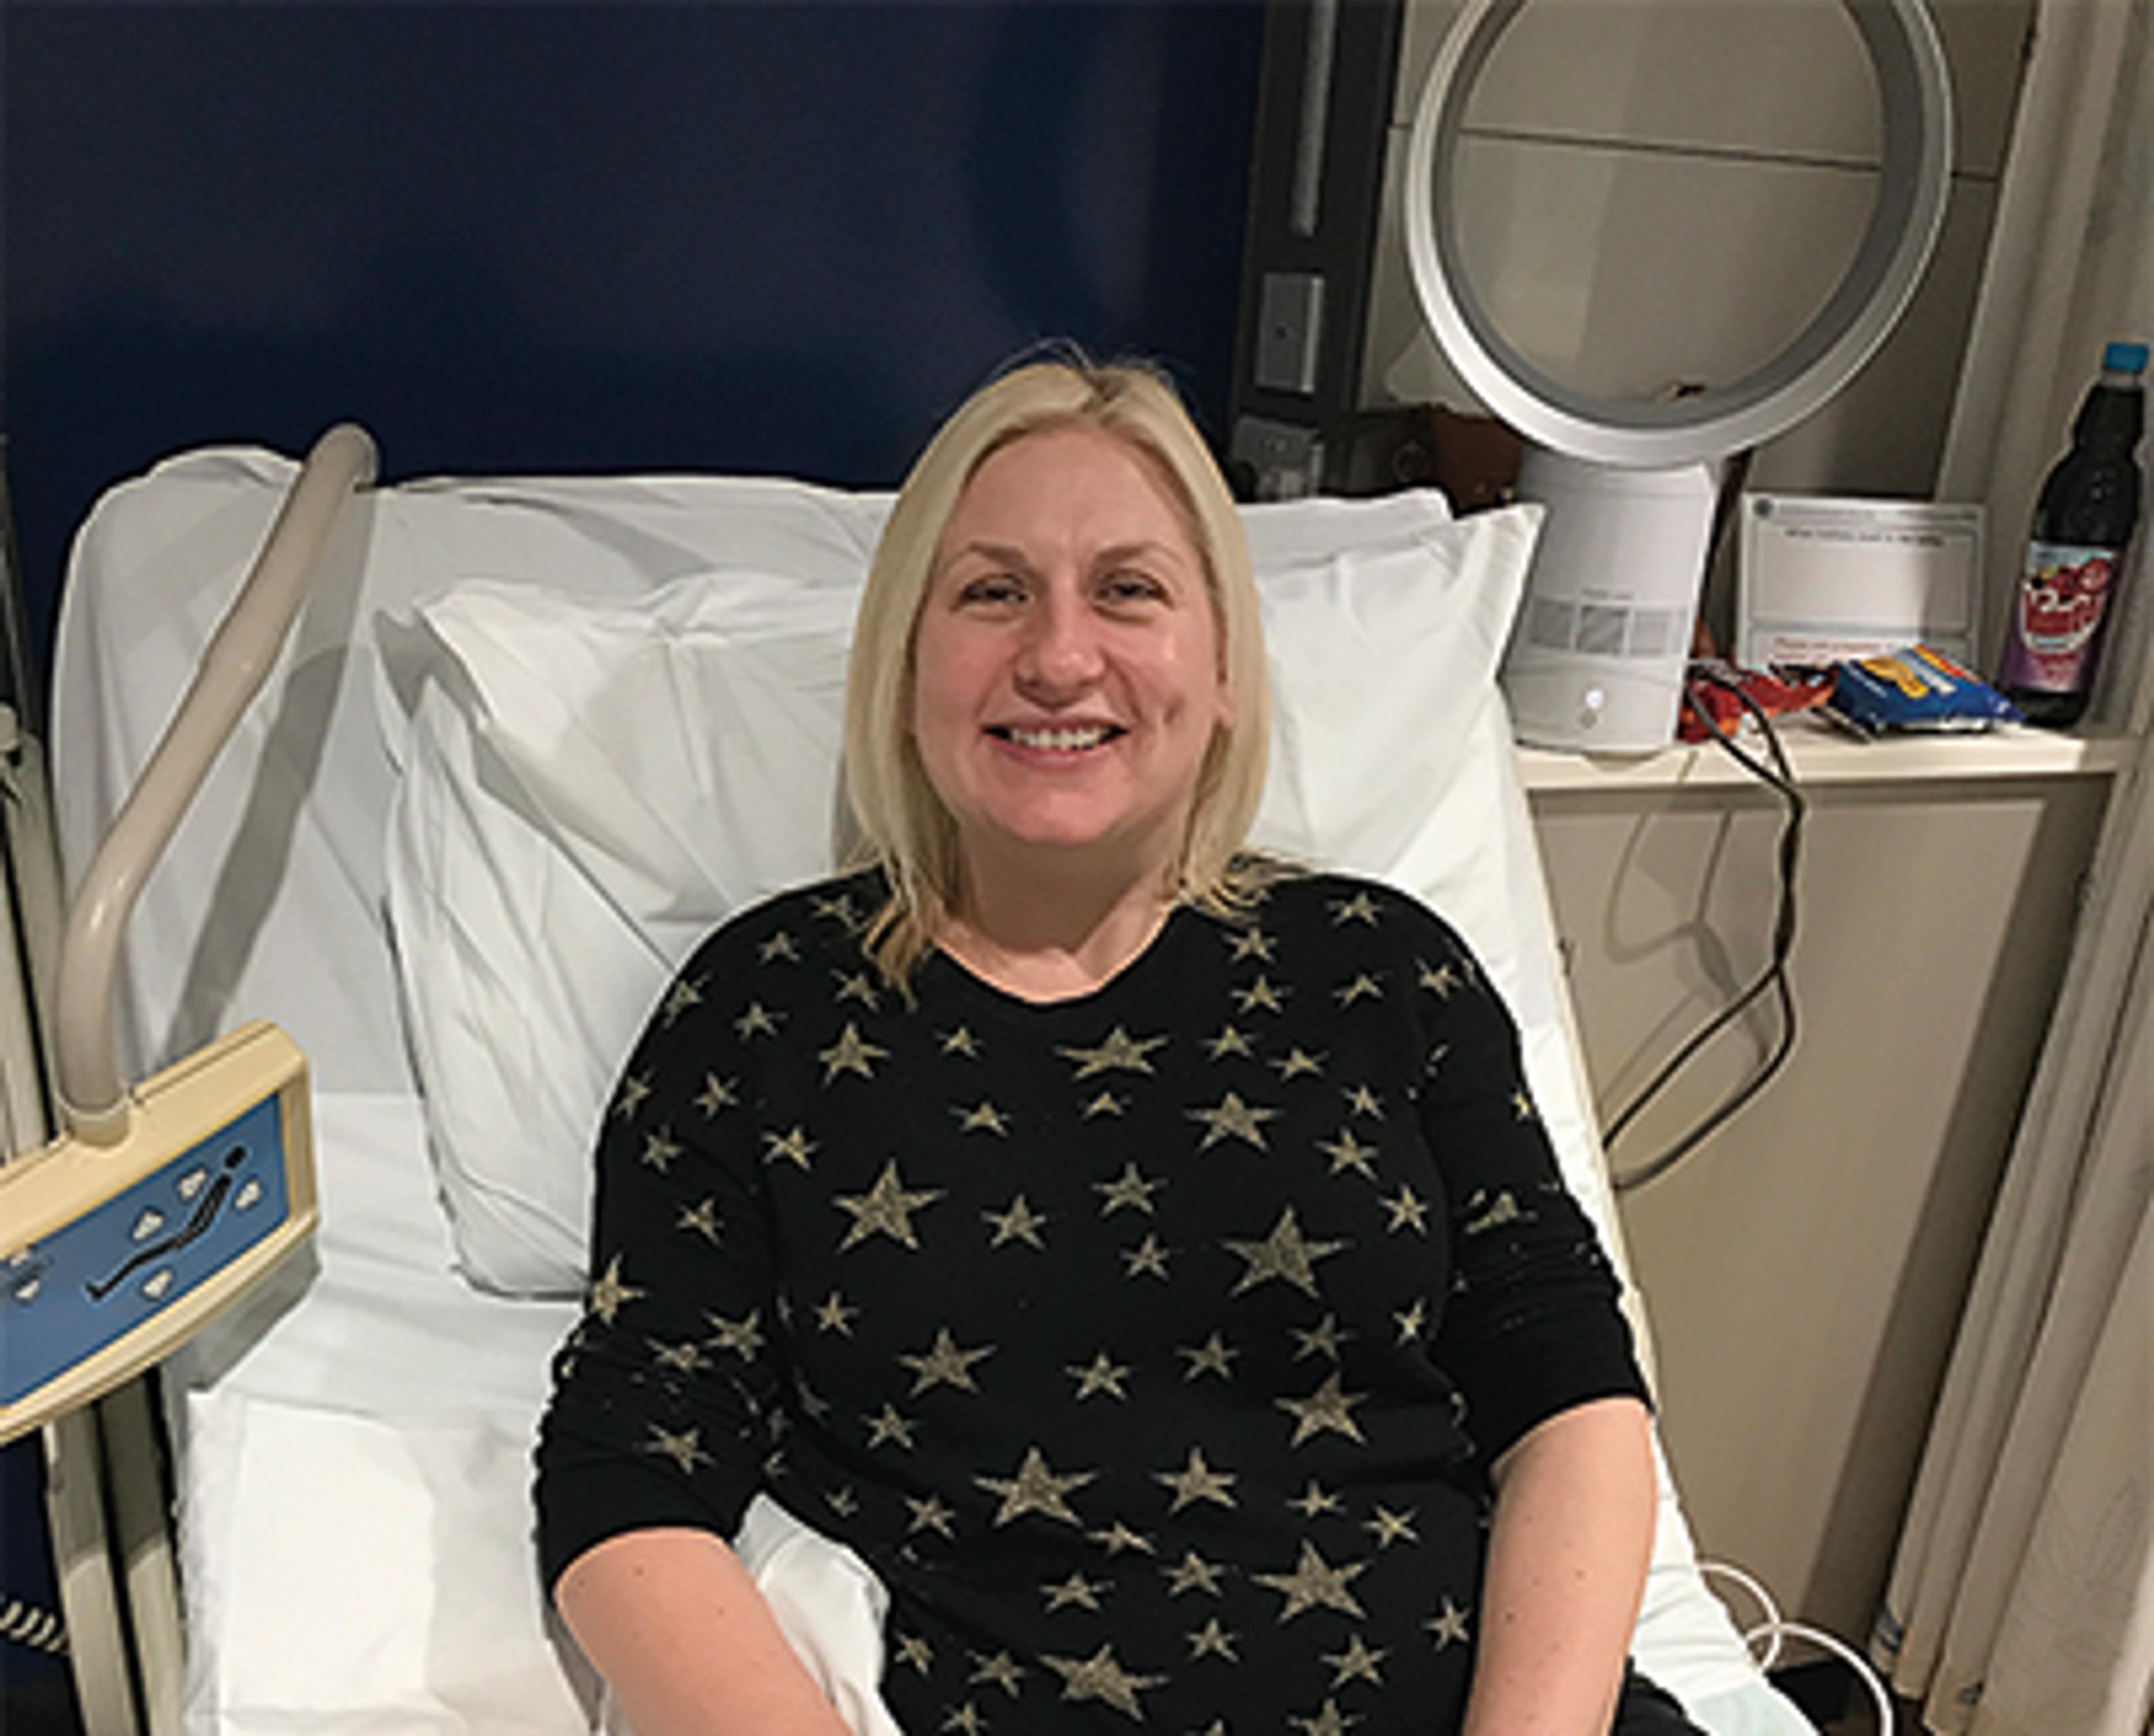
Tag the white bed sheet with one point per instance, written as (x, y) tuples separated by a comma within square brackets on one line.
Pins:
[(352, 1447)]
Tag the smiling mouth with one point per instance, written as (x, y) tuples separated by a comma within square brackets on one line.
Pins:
[(1058, 741)]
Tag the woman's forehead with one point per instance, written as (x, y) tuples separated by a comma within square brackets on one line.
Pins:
[(1080, 480)]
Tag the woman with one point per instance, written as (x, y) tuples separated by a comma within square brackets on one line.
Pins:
[(1147, 1260)]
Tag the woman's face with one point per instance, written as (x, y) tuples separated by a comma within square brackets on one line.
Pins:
[(1066, 664)]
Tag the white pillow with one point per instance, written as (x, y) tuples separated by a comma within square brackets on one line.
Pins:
[(589, 785)]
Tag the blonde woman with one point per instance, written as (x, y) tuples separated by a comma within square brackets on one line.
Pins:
[(1144, 1256)]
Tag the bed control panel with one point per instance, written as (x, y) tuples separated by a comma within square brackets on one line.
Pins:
[(110, 1256)]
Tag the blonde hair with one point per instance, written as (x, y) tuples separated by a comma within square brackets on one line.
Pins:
[(904, 826)]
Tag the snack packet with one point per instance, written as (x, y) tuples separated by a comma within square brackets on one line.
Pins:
[(1913, 688)]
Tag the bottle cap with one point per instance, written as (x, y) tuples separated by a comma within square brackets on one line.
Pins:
[(2124, 359)]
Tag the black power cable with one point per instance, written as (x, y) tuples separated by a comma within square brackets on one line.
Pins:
[(1780, 777)]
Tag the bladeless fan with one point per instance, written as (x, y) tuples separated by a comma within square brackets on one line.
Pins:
[(162, 1205), (1596, 656)]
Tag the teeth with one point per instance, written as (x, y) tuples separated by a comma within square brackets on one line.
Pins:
[(1065, 741)]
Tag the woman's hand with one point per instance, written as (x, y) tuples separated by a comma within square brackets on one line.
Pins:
[(674, 1622), (1567, 1555)]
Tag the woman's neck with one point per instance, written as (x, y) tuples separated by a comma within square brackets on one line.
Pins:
[(1044, 935)]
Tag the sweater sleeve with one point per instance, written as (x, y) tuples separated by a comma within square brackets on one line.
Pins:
[(665, 1396), (1533, 1325)]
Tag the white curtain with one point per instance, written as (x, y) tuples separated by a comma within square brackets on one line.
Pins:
[(2022, 1598)]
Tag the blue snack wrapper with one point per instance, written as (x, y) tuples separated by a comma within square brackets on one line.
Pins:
[(1913, 688)]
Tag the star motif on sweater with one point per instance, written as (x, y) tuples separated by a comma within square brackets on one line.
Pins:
[(1282, 1254), (1101, 1677), (885, 1209), (1118, 1049), (1315, 1584), (1035, 1488)]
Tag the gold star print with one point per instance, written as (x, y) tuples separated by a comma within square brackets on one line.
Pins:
[(960, 1041), (1298, 1062), (835, 1314), (986, 1115), (1147, 1259), (1327, 1721), (851, 1053), (1323, 1340), (791, 1146), (703, 1219), (1001, 1671), (1360, 908), (758, 1021), (684, 995), (1328, 1408), (634, 1090), (1106, 1103), (1501, 1210), (1212, 1356), (966, 1720), (1129, 1188), (744, 1338), (1348, 1152), (1282, 1254), (1100, 1677), (685, 1449), (1389, 1528), (659, 1149), (1408, 1210), (856, 986), (1076, 1589), (1020, 1223), (1522, 1106), (1192, 1573), (1363, 988), (1213, 1641), (838, 910), (1103, 1376), (1413, 1322), (1118, 1050), (888, 1425), (1229, 1041), (1233, 1119), (1198, 1481), (1118, 1539), (779, 945), (1035, 1488), (1449, 1625), (930, 1514), (917, 1651), (885, 1209), (811, 1403), (1357, 1661), (1360, 1101), (1315, 1583), (610, 1293), (944, 1365), (1259, 993), (844, 1501), (717, 1093), (678, 1358), (1246, 943), (1439, 980), (1316, 1501)]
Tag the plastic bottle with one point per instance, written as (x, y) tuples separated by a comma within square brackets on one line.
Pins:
[(2083, 522)]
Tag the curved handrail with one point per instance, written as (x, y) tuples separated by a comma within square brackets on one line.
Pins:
[(93, 1099)]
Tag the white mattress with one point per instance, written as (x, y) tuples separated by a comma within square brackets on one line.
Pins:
[(352, 1446)]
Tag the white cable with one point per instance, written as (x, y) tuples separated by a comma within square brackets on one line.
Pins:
[(1776, 1628)]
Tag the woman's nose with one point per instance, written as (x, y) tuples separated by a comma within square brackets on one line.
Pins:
[(1061, 650)]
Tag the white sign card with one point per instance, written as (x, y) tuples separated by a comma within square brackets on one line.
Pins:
[(1819, 578)]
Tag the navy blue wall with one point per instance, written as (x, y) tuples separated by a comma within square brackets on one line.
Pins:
[(510, 237)]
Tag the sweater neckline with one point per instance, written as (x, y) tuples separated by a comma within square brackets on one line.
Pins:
[(1148, 968)]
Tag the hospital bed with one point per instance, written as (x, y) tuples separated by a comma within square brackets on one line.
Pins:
[(530, 738)]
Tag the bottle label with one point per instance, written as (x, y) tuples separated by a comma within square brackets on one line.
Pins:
[(2049, 646)]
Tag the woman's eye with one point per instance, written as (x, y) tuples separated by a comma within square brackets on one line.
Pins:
[(994, 588), (1132, 588)]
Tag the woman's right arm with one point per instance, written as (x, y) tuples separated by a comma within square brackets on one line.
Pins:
[(673, 1622)]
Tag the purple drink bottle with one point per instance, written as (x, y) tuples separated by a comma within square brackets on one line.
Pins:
[(2083, 523)]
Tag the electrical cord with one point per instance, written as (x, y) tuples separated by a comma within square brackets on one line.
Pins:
[(1776, 1628), (1780, 777)]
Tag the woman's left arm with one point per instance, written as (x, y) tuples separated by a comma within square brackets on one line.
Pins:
[(1568, 1549)]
